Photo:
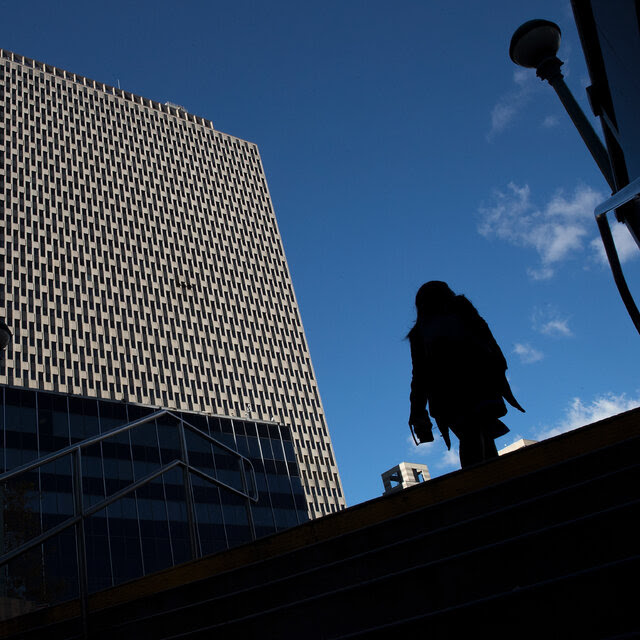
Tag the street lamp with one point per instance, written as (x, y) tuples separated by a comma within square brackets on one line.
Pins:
[(534, 45), (534, 42)]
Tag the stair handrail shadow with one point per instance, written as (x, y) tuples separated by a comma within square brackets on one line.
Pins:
[(248, 492)]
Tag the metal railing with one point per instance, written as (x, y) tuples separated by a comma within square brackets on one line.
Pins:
[(81, 513), (625, 195)]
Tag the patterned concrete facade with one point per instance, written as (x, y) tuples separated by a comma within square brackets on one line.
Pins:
[(141, 261)]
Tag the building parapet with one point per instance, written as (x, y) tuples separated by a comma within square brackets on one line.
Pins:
[(168, 107)]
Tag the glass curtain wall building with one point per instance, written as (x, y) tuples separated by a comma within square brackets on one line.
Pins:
[(147, 530)]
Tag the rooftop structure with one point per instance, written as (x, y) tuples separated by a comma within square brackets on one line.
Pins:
[(403, 475), (518, 444)]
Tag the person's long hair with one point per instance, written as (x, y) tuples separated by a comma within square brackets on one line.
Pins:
[(435, 297)]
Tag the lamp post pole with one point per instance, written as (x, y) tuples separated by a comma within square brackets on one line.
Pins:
[(549, 70)]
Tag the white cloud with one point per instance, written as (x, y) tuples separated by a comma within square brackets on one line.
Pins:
[(527, 353), (422, 449), (449, 459), (522, 77), (511, 103), (501, 116), (579, 414), (556, 230), (556, 328), (550, 121), (543, 273), (549, 322), (625, 245)]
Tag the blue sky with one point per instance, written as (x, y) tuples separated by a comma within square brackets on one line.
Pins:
[(401, 145)]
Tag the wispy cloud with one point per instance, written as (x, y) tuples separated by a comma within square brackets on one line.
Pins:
[(446, 460), (542, 273), (579, 414), (556, 328), (527, 353), (625, 244), (549, 322), (556, 230), (509, 105), (550, 121), (512, 103), (449, 460), (501, 116), (421, 450)]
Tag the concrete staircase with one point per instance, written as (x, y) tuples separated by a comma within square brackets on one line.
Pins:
[(543, 542)]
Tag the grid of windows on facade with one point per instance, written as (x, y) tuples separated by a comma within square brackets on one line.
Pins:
[(144, 531), (143, 263)]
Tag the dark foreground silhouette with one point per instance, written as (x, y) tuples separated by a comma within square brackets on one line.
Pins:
[(459, 371)]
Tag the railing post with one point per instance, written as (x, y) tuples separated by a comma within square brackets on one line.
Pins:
[(188, 491), (81, 546), (247, 501)]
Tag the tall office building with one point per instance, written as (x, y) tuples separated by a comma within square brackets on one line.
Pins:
[(142, 263)]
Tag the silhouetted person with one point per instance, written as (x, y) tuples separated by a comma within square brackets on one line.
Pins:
[(459, 371)]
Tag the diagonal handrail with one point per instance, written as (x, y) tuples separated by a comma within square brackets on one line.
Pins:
[(73, 520), (81, 513), (103, 504), (92, 440)]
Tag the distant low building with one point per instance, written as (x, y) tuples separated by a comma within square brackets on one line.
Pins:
[(404, 475), (518, 444)]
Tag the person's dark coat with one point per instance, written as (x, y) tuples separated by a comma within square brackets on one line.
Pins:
[(458, 371)]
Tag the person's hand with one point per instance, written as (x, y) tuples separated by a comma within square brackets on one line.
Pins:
[(421, 425)]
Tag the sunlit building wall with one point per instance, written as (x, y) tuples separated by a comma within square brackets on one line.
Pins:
[(141, 262)]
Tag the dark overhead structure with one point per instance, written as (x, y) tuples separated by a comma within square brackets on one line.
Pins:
[(610, 37)]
